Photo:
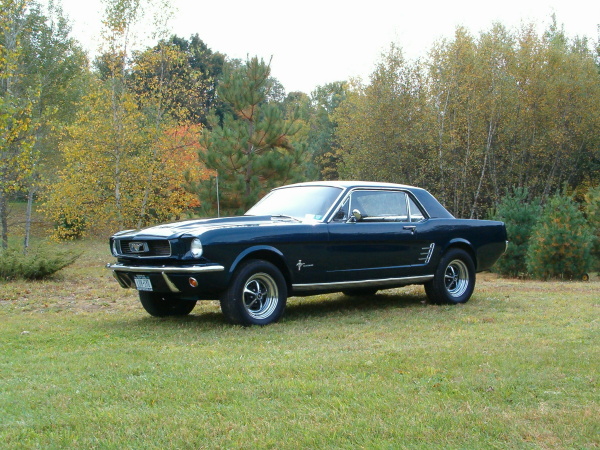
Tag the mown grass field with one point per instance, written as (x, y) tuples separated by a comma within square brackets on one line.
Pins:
[(83, 366)]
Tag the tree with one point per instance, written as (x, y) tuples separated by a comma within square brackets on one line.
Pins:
[(480, 115), (561, 242), (205, 70), (16, 122), (55, 68), (117, 159), (383, 127), (520, 215), (322, 140), (117, 172), (592, 211), (251, 151), (188, 69)]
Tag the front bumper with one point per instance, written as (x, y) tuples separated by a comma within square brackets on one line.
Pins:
[(169, 277)]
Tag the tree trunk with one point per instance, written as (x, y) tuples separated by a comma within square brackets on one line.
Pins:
[(4, 219), (28, 218), (488, 146)]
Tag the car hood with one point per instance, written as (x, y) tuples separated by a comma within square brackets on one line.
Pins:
[(197, 227)]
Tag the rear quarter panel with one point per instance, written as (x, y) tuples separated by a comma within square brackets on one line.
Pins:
[(484, 239)]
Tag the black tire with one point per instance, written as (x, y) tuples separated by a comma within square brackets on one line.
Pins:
[(158, 304), (362, 292), (454, 279), (256, 295)]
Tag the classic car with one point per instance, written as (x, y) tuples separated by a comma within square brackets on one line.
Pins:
[(303, 239)]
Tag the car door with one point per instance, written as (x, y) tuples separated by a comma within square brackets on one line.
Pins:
[(375, 235)]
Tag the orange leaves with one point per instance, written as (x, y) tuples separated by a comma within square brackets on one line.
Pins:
[(119, 172)]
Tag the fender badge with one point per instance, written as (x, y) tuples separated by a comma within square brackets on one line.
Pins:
[(300, 265)]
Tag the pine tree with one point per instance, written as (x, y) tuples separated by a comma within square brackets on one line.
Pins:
[(592, 211), (520, 216), (561, 242), (252, 150)]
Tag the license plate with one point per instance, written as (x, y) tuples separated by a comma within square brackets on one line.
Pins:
[(142, 283)]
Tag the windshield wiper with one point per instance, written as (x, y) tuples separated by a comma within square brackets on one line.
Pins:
[(283, 216)]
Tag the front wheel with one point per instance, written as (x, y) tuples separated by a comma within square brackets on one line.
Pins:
[(454, 279), (158, 304), (256, 296)]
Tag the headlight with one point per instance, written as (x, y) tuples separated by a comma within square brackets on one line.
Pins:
[(196, 248)]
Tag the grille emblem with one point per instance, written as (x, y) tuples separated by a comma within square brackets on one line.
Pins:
[(138, 247)]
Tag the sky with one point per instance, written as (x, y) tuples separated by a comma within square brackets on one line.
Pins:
[(314, 42)]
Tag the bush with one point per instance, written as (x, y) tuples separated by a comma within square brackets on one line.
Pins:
[(69, 229), (561, 242), (38, 263), (592, 211), (520, 216)]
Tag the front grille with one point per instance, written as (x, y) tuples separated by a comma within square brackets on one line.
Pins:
[(145, 249)]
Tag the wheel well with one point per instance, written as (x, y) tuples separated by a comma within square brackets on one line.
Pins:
[(274, 259), (467, 248)]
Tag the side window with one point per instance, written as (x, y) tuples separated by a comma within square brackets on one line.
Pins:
[(416, 215), (380, 206)]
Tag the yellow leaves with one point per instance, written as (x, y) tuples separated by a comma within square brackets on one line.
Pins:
[(119, 172), (17, 141)]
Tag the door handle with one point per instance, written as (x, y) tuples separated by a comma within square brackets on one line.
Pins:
[(412, 228)]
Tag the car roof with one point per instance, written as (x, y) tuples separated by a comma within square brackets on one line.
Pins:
[(434, 208), (352, 184)]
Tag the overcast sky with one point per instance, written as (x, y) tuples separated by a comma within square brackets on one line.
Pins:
[(314, 42)]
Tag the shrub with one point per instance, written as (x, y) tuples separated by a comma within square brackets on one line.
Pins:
[(40, 262), (68, 229), (561, 242), (592, 211), (520, 216)]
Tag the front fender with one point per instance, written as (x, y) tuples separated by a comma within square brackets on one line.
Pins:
[(255, 249)]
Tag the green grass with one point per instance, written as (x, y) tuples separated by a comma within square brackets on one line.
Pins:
[(82, 365)]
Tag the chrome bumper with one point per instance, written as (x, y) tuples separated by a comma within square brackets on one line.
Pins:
[(164, 271), (170, 269)]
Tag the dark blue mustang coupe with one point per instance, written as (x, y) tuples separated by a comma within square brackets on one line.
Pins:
[(304, 239)]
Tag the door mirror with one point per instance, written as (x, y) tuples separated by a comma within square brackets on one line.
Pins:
[(339, 216)]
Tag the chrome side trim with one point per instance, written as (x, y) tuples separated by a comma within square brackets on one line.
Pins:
[(426, 252), (362, 283), (156, 269)]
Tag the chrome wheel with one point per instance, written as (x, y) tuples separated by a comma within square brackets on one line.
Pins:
[(456, 278), (260, 296)]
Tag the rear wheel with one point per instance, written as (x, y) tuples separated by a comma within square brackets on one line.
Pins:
[(256, 296), (158, 304), (454, 279)]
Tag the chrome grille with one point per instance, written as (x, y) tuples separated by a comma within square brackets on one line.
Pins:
[(145, 249), (425, 254)]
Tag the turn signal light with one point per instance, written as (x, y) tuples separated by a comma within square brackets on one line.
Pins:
[(193, 282)]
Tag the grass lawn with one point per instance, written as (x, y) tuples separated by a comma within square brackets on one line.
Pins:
[(82, 365)]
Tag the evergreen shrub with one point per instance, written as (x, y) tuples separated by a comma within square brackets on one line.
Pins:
[(561, 242), (520, 216), (38, 263), (592, 211)]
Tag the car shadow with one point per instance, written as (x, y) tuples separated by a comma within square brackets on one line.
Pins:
[(335, 304), (209, 316)]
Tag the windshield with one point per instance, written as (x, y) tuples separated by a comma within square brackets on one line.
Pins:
[(300, 202)]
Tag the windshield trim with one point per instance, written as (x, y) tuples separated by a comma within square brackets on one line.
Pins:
[(325, 216)]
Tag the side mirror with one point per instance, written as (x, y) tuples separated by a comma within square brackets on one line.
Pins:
[(357, 215), (340, 215)]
